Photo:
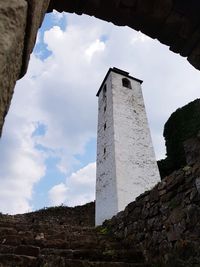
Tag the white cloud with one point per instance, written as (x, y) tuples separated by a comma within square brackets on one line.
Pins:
[(57, 194), (79, 188), (96, 46), (59, 92), (58, 16), (140, 37), (21, 166)]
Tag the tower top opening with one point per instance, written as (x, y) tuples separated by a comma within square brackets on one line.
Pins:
[(118, 71)]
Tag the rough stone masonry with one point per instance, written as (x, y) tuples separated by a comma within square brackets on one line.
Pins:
[(165, 221)]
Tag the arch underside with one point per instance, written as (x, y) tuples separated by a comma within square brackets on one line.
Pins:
[(175, 23)]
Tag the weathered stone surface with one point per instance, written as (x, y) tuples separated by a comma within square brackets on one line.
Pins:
[(183, 125), (36, 12), (19, 23), (197, 183), (27, 250), (165, 225), (192, 150), (10, 260), (13, 15), (63, 241)]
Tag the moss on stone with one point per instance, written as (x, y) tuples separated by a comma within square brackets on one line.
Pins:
[(183, 124)]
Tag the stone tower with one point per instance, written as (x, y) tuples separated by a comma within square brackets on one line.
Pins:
[(126, 164)]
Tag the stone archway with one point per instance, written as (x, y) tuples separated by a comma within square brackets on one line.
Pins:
[(174, 23)]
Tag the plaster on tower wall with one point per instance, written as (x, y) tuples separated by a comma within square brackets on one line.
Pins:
[(106, 191), (129, 166)]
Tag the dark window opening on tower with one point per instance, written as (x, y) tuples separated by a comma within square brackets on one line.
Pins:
[(104, 91), (104, 151), (104, 109), (126, 83), (104, 126)]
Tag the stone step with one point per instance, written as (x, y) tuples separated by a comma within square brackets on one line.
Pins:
[(11, 260), (70, 236), (7, 231), (48, 232), (110, 244), (16, 223), (89, 254), (97, 255), (59, 241), (26, 250), (12, 240), (50, 243), (49, 226), (63, 262), (29, 243), (81, 254), (86, 244), (66, 244), (5, 249)]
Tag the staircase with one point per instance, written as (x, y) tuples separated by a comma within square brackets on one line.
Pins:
[(29, 242)]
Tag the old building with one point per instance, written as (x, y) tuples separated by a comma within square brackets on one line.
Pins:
[(126, 164)]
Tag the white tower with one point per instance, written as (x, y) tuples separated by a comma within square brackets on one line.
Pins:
[(126, 164)]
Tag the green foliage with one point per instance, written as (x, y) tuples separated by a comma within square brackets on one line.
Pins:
[(103, 230), (183, 124)]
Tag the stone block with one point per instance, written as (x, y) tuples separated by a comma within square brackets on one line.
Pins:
[(13, 17), (36, 12), (192, 150), (176, 28), (176, 216), (19, 23), (190, 43), (127, 3), (27, 250), (149, 16), (194, 57), (197, 183)]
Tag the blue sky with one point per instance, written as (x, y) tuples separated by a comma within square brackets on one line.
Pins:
[(48, 147), (89, 155)]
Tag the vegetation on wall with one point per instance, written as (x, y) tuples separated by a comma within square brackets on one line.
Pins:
[(183, 124)]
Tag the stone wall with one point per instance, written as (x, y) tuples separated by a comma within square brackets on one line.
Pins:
[(165, 222), (183, 124), (75, 216), (19, 23), (54, 237), (13, 16)]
